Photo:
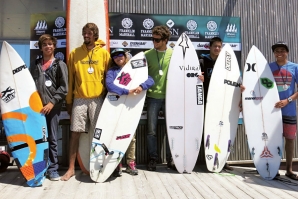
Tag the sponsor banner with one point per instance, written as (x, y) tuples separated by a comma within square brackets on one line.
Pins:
[(61, 43), (198, 28), (145, 44)]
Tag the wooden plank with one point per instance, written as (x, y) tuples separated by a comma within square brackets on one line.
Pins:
[(16, 186), (139, 183), (8, 177), (183, 183), (206, 178), (222, 179), (238, 182), (200, 186), (274, 189)]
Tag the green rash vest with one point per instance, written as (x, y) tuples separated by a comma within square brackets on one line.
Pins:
[(158, 90)]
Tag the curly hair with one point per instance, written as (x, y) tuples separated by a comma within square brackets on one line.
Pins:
[(162, 31), (93, 27), (45, 37)]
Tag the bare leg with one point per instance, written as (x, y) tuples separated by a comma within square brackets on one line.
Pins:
[(289, 148), (74, 145)]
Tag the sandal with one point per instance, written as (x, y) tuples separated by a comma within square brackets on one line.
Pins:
[(292, 176)]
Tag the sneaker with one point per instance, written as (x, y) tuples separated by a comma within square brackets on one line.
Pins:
[(118, 171), (131, 168), (53, 175), (151, 165), (171, 165)]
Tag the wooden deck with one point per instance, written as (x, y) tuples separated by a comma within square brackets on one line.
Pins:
[(163, 183)]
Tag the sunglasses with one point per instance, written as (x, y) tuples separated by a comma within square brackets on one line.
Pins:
[(119, 55), (157, 40)]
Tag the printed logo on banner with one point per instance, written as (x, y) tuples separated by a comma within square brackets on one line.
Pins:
[(36, 45), (59, 55), (59, 23), (203, 46), (199, 94), (174, 32), (8, 94), (111, 30), (148, 25), (124, 43), (137, 44), (172, 45), (192, 25), (231, 30), (41, 27), (212, 27), (127, 31)]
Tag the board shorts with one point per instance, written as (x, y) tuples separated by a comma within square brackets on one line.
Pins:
[(85, 113), (289, 127)]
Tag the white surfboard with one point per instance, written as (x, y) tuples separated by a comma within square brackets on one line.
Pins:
[(263, 122), (25, 127), (184, 105), (118, 120), (79, 13), (222, 111)]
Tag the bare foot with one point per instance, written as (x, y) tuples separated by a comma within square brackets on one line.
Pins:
[(67, 175)]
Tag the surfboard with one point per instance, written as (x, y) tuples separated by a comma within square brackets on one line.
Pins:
[(222, 111), (25, 127), (184, 105), (118, 120), (79, 13), (263, 122)]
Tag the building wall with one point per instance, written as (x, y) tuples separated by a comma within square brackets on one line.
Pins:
[(263, 22)]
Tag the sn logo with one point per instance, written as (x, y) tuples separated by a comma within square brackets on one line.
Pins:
[(252, 67)]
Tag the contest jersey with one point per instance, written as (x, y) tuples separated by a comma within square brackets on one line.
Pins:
[(286, 78)]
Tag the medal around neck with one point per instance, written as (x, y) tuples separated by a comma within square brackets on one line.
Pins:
[(48, 83), (285, 87), (90, 70), (160, 72)]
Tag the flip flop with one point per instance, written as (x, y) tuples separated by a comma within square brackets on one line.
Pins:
[(292, 176)]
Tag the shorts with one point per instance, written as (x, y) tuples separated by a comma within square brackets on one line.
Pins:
[(289, 127), (85, 113)]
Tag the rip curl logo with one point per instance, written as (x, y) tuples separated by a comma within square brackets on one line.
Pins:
[(8, 94), (267, 83), (124, 78)]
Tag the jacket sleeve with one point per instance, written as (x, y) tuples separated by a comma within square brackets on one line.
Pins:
[(71, 74), (62, 78), (111, 75), (148, 83)]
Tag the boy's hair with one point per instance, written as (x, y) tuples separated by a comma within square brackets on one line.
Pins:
[(93, 27), (162, 31), (215, 39), (45, 37)]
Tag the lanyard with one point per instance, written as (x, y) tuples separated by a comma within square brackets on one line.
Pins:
[(160, 65), (285, 86)]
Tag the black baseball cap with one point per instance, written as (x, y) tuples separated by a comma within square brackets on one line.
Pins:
[(280, 44)]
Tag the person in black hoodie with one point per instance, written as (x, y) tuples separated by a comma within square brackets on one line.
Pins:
[(51, 78), (207, 62)]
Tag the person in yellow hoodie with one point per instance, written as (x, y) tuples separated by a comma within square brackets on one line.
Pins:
[(87, 66)]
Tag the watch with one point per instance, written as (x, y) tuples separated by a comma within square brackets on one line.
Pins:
[(290, 99)]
